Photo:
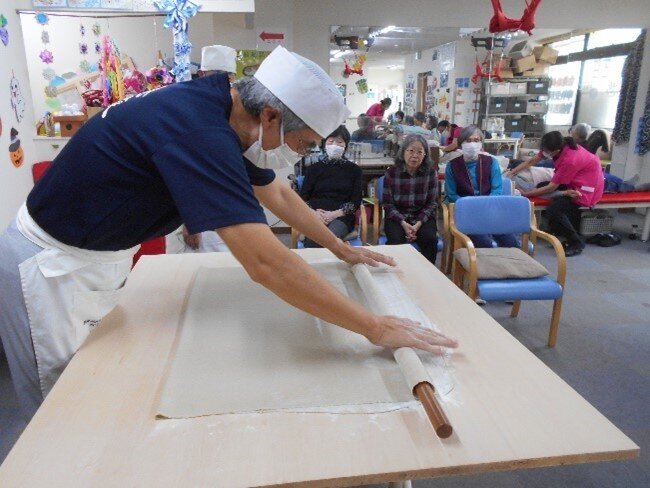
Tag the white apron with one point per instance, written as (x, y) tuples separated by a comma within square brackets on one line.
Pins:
[(67, 292)]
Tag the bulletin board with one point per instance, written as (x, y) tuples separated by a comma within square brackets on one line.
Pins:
[(463, 102)]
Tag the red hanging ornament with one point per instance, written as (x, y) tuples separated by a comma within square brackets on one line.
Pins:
[(501, 23), (481, 73)]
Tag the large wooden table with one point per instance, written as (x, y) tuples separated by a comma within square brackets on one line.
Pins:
[(97, 426)]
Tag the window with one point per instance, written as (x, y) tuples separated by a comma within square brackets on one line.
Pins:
[(599, 84)]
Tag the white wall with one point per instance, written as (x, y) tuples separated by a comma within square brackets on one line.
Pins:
[(15, 183)]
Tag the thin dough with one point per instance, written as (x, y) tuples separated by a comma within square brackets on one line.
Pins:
[(241, 349)]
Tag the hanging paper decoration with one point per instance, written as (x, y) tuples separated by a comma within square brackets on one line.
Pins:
[(157, 77), (110, 66), (16, 154), (499, 22), (17, 100), (4, 33), (97, 29), (135, 83), (178, 14), (42, 18), (84, 66), (83, 48), (46, 56), (82, 30), (362, 86), (49, 73), (45, 37), (98, 48)]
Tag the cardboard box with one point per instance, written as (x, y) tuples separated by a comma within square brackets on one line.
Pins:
[(507, 73), (524, 64), (70, 124), (541, 69), (545, 54)]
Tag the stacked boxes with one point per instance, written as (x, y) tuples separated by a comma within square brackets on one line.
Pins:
[(535, 64)]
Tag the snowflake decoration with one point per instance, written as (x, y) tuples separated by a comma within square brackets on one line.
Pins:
[(82, 30), (49, 74), (45, 37), (98, 48), (83, 48), (97, 29), (84, 66), (42, 18), (3, 21), (46, 56), (4, 35)]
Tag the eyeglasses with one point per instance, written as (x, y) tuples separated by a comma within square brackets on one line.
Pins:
[(417, 152)]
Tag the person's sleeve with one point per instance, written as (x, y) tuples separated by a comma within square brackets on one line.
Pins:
[(564, 173), (431, 202), (206, 175), (353, 204), (496, 179), (258, 176), (450, 184), (388, 203)]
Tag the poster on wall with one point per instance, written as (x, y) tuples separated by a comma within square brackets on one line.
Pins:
[(49, 3), (463, 103), (444, 79), (248, 60), (409, 94), (447, 56)]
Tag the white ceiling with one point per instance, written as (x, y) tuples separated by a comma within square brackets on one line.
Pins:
[(390, 49)]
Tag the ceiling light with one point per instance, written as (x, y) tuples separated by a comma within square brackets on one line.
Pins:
[(339, 54), (385, 30)]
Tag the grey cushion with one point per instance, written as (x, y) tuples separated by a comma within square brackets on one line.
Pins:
[(502, 263)]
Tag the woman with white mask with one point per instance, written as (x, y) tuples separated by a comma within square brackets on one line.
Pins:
[(475, 173), (333, 187)]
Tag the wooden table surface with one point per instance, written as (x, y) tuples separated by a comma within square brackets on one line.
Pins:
[(97, 426)]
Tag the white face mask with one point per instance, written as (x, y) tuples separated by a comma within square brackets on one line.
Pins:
[(276, 158), (471, 149), (547, 155), (334, 150)]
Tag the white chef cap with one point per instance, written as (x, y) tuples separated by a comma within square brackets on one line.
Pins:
[(305, 89), (217, 57)]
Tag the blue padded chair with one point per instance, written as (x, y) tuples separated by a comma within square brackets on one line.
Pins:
[(378, 217), (505, 215), (355, 238)]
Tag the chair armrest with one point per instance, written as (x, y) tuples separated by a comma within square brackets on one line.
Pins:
[(559, 252), (363, 224), (462, 240)]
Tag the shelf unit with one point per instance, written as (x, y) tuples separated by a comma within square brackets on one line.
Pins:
[(532, 123)]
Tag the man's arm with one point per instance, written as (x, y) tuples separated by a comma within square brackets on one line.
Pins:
[(287, 204), (269, 263), (523, 166)]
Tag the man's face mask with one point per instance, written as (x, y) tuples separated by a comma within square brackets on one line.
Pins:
[(276, 158)]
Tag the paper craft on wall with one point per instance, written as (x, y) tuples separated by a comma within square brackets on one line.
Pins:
[(16, 154), (17, 100), (4, 33), (248, 60), (444, 79)]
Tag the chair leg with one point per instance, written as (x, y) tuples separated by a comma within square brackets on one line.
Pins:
[(555, 322), (515, 308), (472, 290)]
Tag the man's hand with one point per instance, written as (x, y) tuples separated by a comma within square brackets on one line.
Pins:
[(572, 194), (192, 240), (396, 332), (356, 255)]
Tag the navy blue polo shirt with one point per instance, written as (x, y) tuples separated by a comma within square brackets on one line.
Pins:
[(144, 166)]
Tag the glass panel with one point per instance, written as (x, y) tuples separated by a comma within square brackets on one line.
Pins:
[(562, 93), (573, 45), (601, 85), (607, 37)]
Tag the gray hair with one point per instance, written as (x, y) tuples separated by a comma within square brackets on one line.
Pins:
[(255, 97), (400, 160), (580, 131), (468, 132)]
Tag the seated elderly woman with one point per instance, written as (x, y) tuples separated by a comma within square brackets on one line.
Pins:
[(475, 173), (332, 186), (410, 192)]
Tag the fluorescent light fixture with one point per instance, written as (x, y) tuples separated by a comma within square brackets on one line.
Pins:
[(385, 30), (339, 54)]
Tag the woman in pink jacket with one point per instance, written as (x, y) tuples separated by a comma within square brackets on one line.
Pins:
[(579, 175)]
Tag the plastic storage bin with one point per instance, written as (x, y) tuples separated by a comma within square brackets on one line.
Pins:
[(515, 124), (516, 106), (498, 105), (539, 87)]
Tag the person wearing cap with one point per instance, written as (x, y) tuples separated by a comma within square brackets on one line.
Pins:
[(214, 59), (198, 152), (218, 58)]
